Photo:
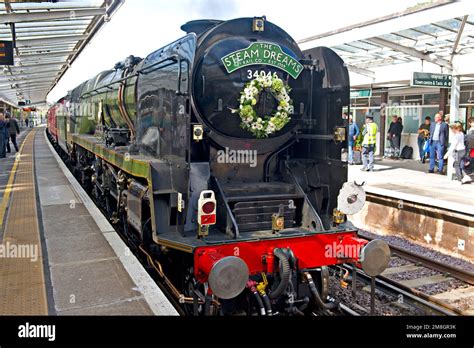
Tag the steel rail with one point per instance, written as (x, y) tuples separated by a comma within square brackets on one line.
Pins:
[(454, 271), (410, 296)]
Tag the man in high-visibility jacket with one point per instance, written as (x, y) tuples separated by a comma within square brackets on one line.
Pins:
[(368, 144)]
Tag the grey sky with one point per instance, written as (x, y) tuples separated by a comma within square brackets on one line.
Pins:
[(142, 26)]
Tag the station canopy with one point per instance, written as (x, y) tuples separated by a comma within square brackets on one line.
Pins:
[(403, 38), (47, 37)]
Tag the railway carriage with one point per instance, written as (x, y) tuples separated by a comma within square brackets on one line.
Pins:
[(218, 156)]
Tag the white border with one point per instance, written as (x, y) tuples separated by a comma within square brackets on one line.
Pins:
[(153, 295)]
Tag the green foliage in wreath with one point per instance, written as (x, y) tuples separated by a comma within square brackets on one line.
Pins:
[(263, 126)]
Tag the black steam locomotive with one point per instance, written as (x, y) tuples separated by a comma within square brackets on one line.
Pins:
[(219, 157)]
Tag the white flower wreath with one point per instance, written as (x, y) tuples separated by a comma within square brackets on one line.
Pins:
[(263, 126)]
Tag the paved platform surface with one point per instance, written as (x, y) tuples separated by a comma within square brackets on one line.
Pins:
[(408, 180), (81, 266), (6, 165), (23, 288)]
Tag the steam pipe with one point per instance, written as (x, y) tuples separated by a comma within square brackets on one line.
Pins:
[(259, 303), (207, 305), (284, 274), (251, 286), (268, 305), (321, 304)]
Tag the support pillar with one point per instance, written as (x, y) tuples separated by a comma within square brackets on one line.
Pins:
[(383, 117), (454, 116), (443, 99)]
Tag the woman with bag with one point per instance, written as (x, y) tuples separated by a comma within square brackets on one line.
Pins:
[(470, 145), (423, 136), (457, 151)]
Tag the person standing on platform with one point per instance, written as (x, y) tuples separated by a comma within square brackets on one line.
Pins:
[(470, 144), (353, 134), (3, 136), (26, 122), (446, 119), (470, 137), (13, 129), (438, 140), (457, 151), (368, 144), (394, 136), (400, 120), (423, 136)]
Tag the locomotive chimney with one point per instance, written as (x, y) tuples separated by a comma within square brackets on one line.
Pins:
[(199, 26)]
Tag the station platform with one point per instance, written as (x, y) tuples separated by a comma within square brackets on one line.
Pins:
[(6, 165), (59, 255), (409, 180), (404, 199)]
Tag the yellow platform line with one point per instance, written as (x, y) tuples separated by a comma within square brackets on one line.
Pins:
[(22, 280), (11, 178)]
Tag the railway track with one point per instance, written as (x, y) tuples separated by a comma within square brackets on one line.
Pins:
[(409, 296), (415, 280), (458, 273)]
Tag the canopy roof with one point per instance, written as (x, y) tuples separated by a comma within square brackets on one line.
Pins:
[(47, 37), (434, 33)]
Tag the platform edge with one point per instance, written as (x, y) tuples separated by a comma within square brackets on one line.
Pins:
[(152, 294)]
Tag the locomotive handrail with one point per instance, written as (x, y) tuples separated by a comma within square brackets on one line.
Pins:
[(175, 58), (178, 91), (316, 136), (307, 201), (309, 62), (266, 165), (229, 211)]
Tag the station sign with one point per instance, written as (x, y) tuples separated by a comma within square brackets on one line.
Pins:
[(6, 53), (24, 102), (422, 79), (361, 93)]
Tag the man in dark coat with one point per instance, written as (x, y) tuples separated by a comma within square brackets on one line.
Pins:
[(394, 136), (3, 135), (439, 131), (13, 129)]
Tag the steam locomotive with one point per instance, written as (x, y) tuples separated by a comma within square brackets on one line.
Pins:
[(218, 156)]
